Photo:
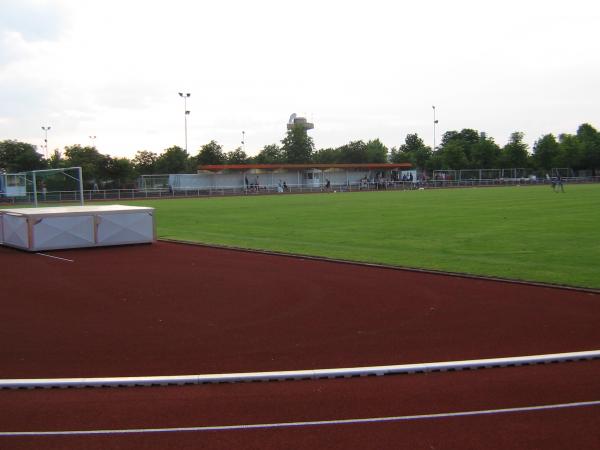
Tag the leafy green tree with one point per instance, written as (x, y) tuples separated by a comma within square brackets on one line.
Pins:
[(397, 157), (376, 152), (420, 157), (237, 156), (56, 160), (546, 152), (570, 152), (453, 155), (93, 164), (18, 156), (173, 160), (297, 146), (514, 153), (119, 172), (436, 162), (590, 146), (326, 156), (270, 154), (211, 154), (467, 139), (412, 143), (413, 151), (144, 162), (485, 153), (354, 152)]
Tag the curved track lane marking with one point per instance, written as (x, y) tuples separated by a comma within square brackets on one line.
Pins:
[(306, 423)]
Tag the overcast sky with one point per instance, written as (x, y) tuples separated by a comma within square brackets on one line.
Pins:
[(358, 69)]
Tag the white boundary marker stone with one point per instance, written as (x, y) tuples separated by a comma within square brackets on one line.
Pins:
[(296, 374)]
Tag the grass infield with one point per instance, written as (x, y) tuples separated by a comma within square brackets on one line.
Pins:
[(527, 233)]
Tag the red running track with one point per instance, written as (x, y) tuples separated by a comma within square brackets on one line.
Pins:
[(277, 402), (170, 309)]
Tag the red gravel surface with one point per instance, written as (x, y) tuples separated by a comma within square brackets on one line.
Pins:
[(169, 309), (279, 402)]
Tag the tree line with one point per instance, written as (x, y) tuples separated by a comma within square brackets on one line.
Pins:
[(465, 149)]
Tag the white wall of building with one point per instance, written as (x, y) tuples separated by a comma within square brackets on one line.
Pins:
[(305, 178)]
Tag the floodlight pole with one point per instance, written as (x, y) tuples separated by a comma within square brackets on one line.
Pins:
[(434, 123), (186, 113), (93, 141), (243, 141), (46, 128)]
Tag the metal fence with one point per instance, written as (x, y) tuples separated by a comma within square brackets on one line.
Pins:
[(142, 194)]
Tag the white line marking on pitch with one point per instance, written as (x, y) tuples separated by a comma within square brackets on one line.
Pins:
[(55, 257), (303, 424)]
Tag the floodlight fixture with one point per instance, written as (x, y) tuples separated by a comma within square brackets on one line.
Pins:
[(46, 129), (186, 113)]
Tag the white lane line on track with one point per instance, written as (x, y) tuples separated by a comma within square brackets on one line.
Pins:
[(304, 424), (55, 257)]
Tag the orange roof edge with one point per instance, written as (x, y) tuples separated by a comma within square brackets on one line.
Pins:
[(219, 167)]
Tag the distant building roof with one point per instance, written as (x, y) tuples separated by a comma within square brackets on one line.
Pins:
[(365, 166)]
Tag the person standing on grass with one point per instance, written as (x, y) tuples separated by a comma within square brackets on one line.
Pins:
[(559, 183)]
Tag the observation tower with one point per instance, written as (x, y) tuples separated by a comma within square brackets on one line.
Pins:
[(296, 121)]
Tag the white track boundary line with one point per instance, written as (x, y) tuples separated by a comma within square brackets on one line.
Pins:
[(55, 257), (297, 374), (303, 424)]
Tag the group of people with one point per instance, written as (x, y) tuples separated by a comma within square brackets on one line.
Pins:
[(252, 186), (408, 177), (556, 183), (282, 186)]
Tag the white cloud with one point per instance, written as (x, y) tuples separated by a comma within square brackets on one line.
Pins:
[(361, 69), (35, 20)]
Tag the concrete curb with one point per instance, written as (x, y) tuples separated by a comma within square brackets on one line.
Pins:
[(298, 374)]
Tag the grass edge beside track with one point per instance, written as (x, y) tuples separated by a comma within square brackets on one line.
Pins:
[(526, 234), (386, 266)]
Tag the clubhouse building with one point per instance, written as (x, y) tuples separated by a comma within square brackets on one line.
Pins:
[(304, 176)]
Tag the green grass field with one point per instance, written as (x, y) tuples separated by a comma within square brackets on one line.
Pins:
[(527, 233)]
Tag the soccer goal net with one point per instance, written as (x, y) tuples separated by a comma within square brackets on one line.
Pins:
[(64, 185), (564, 172), (445, 175), (153, 182)]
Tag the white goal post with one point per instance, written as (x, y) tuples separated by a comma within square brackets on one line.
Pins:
[(65, 172)]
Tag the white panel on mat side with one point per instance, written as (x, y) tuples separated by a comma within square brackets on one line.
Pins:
[(125, 228), (15, 231), (64, 232)]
